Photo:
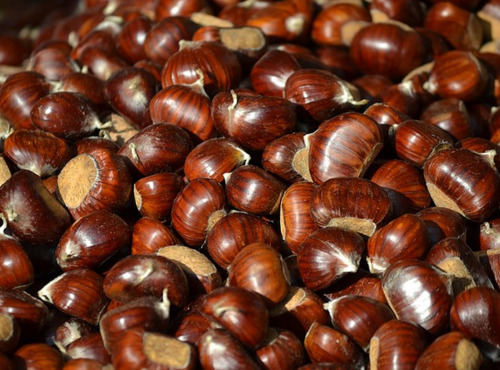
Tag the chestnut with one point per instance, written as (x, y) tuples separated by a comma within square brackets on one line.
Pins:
[(489, 234), (98, 180), (252, 189), (405, 11), (234, 232), (30, 312), (91, 347), (87, 85), (69, 331), (16, 269), (138, 276), (10, 335), (343, 146), (442, 223), (361, 283), (38, 356), (53, 63), (131, 37), (281, 349), (149, 235)]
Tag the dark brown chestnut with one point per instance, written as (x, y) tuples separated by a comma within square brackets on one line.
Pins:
[(281, 349), (16, 269), (442, 223), (38, 356), (149, 235)]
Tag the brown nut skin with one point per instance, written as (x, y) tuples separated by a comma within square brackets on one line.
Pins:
[(141, 349), (16, 269), (450, 350), (442, 223), (387, 49), (235, 231), (38, 356), (218, 64), (91, 347), (253, 121), (251, 189), (78, 293), (213, 158), (405, 11), (358, 317), (351, 203), (419, 293), (30, 312), (325, 344), (261, 269), (489, 234), (10, 335), (474, 313), (397, 345), (361, 284), (241, 312), (131, 37), (464, 182), (404, 237), (106, 183), (328, 254), (33, 214), (343, 146), (281, 349), (82, 364), (197, 207), (149, 235), (148, 275)]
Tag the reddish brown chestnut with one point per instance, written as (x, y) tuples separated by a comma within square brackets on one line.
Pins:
[(149, 235), (38, 356), (442, 223), (281, 349), (28, 311), (16, 269), (10, 333)]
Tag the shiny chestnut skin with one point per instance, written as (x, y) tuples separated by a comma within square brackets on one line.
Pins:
[(157, 148), (185, 8), (78, 293), (11, 333), (443, 222), (489, 235), (213, 158), (40, 152), (261, 269), (149, 235), (358, 317), (350, 203), (53, 63), (33, 214), (87, 85), (405, 11), (18, 94), (419, 293), (148, 275), (252, 189), (450, 174), (234, 232), (102, 62), (328, 254), (90, 347), (240, 311), (281, 349), (91, 240), (404, 237), (404, 184), (16, 269), (397, 344), (387, 49), (197, 207), (94, 181), (270, 118), (129, 92), (219, 66), (343, 146), (131, 37), (361, 283), (30, 313), (38, 356), (453, 66), (415, 141)]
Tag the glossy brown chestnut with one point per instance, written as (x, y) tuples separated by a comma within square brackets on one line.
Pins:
[(295, 218), (88, 85), (489, 234), (281, 349), (185, 8), (149, 235), (261, 269), (16, 269), (358, 317), (350, 203), (213, 158), (320, 94), (453, 349), (154, 195), (416, 141), (65, 114), (252, 189), (253, 121), (91, 347), (138, 349), (219, 66), (419, 293), (33, 214), (18, 94), (343, 146), (389, 49), (197, 207), (129, 92), (69, 331), (138, 276), (38, 151), (38, 356), (101, 62), (98, 180), (83, 364), (91, 240), (325, 344), (372, 86), (240, 311), (405, 11), (397, 344), (10, 333), (161, 147), (235, 231), (28, 311), (361, 284), (482, 146), (442, 223), (405, 186), (53, 63), (404, 237), (464, 182), (78, 293), (328, 254), (131, 38)]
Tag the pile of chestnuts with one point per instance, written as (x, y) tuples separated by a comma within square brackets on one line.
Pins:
[(258, 184)]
